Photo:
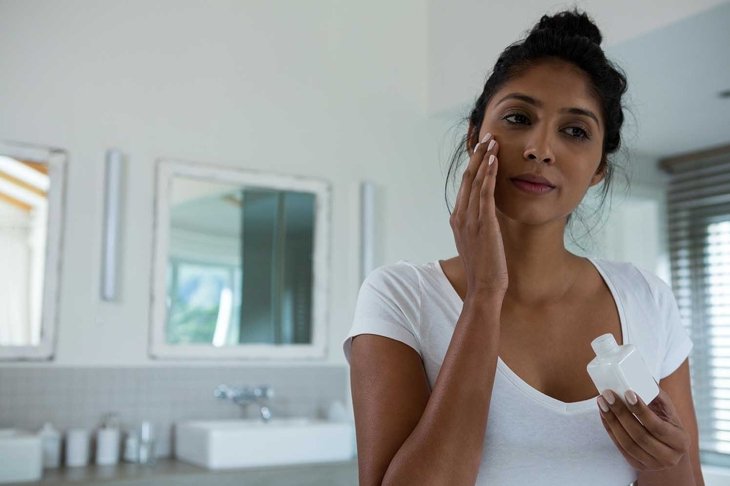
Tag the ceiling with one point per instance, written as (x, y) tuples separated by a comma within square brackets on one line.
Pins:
[(675, 75), (675, 55)]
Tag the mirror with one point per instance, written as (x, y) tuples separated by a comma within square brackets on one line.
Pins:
[(239, 264), (31, 212)]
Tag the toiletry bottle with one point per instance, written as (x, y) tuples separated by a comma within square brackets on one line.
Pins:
[(107, 441), (146, 444), (77, 447), (131, 446), (621, 368), (51, 445)]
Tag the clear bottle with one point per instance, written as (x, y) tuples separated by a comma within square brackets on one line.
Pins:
[(146, 449), (51, 444), (621, 368)]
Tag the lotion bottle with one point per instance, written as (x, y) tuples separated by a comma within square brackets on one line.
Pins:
[(621, 368)]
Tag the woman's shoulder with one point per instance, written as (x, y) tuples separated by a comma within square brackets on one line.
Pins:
[(634, 279), (402, 272)]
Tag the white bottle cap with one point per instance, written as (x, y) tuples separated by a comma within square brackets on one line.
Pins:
[(146, 431), (605, 344), (49, 431)]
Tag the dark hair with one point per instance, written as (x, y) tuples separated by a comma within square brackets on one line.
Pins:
[(573, 37)]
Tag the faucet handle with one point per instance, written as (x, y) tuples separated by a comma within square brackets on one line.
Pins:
[(223, 392), (264, 391)]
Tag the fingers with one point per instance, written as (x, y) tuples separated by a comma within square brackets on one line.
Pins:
[(661, 425), (486, 201), (636, 439), (462, 199), (624, 440), (631, 460), (485, 172)]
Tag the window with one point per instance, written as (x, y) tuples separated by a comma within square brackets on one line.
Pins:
[(698, 205)]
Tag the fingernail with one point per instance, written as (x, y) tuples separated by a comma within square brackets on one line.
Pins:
[(608, 396), (602, 404), (491, 159), (491, 144), (486, 137), (476, 147), (631, 397)]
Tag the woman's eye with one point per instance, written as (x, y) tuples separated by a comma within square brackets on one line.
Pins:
[(514, 114), (582, 134), (579, 133)]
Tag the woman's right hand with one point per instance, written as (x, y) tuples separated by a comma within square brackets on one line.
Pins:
[(475, 226)]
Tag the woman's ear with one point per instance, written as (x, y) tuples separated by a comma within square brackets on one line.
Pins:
[(600, 174)]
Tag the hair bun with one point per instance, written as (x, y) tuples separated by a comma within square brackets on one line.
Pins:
[(570, 23)]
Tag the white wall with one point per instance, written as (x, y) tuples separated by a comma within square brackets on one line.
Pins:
[(326, 88), (467, 36)]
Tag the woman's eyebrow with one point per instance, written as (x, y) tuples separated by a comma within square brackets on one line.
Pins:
[(533, 101)]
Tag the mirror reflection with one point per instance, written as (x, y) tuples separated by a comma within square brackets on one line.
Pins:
[(239, 267), (23, 226)]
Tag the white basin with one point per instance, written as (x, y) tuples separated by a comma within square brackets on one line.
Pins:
[(21, 458), (227, 444)]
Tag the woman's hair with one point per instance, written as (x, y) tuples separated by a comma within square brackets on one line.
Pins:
[(573, 37)]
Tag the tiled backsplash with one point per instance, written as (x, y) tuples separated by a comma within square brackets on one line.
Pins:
[(80, 397)]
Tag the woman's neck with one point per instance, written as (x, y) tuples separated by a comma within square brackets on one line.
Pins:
[(541, 270)]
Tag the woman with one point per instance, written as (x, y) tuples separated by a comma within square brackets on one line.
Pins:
[(473, 369)]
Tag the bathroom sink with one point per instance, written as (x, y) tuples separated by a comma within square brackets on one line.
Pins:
[(227, 444)]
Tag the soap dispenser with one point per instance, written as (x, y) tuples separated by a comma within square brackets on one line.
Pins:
[(621, 368)]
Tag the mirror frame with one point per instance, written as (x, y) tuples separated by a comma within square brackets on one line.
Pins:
[(55, 159), (166, 170)]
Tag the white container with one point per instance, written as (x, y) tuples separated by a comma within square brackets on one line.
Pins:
[(21, 457), (621, 368), (146, 449), (107, 441), (131, 446), (51, 445), (107, 446), (77, 447)]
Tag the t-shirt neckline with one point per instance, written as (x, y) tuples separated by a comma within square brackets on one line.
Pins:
[(547, 400)]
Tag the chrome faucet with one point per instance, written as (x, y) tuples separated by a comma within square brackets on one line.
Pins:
[(246, 396)]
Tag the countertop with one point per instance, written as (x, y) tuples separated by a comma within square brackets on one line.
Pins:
[(171, 472)]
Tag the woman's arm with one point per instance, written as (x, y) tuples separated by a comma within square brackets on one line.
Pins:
[(406, 437), (678, 386)]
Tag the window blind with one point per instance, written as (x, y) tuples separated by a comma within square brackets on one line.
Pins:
[(698, 217)]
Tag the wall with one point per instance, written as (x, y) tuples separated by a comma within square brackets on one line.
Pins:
[(286, 86)]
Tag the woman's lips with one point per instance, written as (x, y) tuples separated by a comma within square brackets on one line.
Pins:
[(532, 187)]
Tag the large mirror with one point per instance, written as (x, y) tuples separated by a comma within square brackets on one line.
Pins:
[(240, 264), (31, 213)]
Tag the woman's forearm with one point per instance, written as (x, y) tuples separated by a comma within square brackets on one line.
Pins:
[(446, 445), (680, 475)]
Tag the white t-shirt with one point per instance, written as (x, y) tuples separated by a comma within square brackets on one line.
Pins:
[(532, 439)]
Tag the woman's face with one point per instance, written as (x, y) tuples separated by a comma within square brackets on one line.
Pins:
[(543, 138)]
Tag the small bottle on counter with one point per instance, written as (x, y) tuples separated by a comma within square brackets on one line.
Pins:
[(77, 447), (131, 446), (51, 445), (146, 444), (107, 441)]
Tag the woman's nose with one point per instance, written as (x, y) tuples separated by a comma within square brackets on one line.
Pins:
[(539, 149)]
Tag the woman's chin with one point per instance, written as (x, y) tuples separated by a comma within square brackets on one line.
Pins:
[(527, 213)]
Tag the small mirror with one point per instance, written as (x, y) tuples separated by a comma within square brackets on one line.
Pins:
[(240, 264), (31, 212)]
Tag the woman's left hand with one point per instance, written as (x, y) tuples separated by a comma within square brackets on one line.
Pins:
[(650, 437)]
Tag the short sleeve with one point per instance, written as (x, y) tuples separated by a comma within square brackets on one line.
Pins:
[(676, 339), (388, 304)]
